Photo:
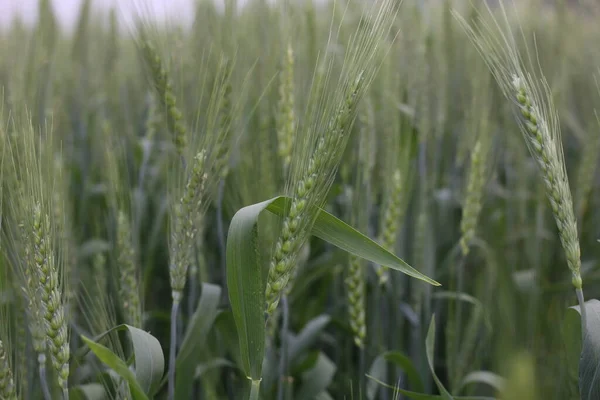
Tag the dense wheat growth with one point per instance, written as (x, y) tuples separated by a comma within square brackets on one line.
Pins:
[(302, 200)]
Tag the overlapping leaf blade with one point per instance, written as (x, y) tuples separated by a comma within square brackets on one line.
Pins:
[(589, 362), (109, 358), (244, 270), (194, 339), (148, 355)]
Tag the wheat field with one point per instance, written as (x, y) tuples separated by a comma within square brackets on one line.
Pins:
[(302, 200)]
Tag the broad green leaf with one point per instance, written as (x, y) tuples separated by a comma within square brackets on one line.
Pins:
[(245, 286), (116, 364), (343, 236), (379, 369), (488, 378), (317, 379), (90, 391), (424, 396), (149, 359), (429, 349), (148, 356), (589, 362), (244, 271), (194, 339)]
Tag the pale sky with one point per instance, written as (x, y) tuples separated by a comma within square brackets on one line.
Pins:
[(68, 10)]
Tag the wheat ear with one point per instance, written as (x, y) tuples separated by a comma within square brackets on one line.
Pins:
[(129, 287), (7, 384), (52, 300), (293, 233), (166, 95)]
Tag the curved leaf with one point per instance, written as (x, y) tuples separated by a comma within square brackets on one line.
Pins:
[(343, 236), (148, 356), (194, 339), (429, 349), (116, 364), (149, 359), (488, 378), (407, 366), (466, 298), (245, 287), (589, 362), (244, 271), (379, 369)]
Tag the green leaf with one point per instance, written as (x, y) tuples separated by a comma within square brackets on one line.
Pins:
[(317, 379), (343, 236), (466, 298), (589, 362), (149, 359), (116, 364), (148, 355), (408, 367), (244, 271), (429, 349), (245, 286), (194, 339), (379, 369)]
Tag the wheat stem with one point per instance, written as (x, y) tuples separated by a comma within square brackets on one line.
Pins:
[(173, 345)]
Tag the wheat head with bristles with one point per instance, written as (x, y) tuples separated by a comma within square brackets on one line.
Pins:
[(41, 269), (129, 290), (205, 163), (478, 130), (321, 143), (286, 117), (538, 122), (166, 95), (391, 220), (118, 196)]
